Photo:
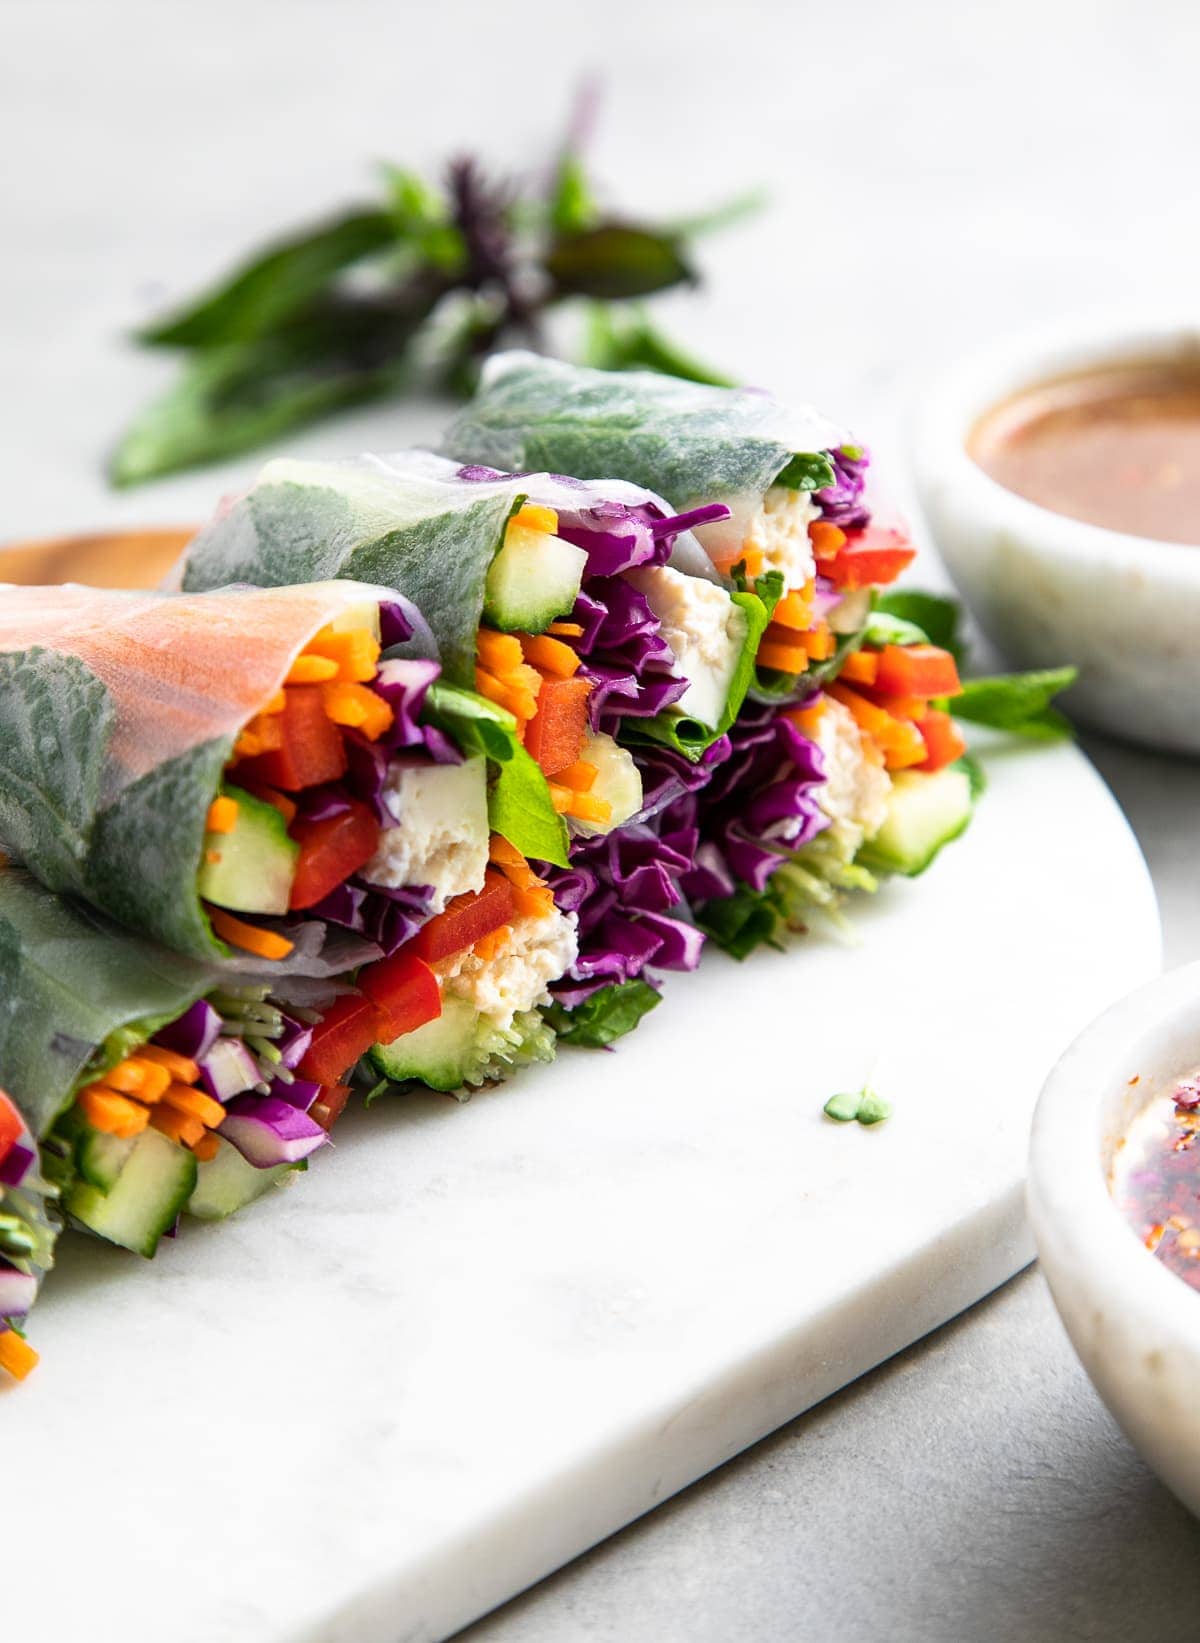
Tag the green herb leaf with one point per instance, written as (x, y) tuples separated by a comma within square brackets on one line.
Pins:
[(421, 219), (275, 285), (1018, 703), (873, 1109), (884, 629), (844, 1108), (572, 204), (936, 618), (606, 1016), (519, 805), (741, 922), (807, 471), (614, 261), (722, 216), (617, 341)]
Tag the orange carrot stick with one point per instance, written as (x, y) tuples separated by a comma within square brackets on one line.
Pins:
[(112, 1113), (177, 1066), (222, 815), (248, 936), (195, 1104), (550, 655), (16, 1354)]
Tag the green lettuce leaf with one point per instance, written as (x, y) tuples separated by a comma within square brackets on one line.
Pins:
[(519, 805), (606, 1016)]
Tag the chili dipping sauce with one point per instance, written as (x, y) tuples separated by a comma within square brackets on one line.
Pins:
[(1156, 1179)]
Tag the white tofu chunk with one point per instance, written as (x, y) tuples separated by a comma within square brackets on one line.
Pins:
[(854, 794), (705, 630), (776, 525), (442, 835), (537, 952)]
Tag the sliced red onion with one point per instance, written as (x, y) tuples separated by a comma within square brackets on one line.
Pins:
[(301, 1092), (268, 1131), (228, 1069), (18, 1291), (293, 1042), (194, 1033), (16, 1166)]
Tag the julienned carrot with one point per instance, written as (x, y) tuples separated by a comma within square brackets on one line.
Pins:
[(179, 1067), (177, 1126), (533, 898), (580, 805), (827, 540), (358, 708), (566, 630), (899, 740), (137, 1075), (354, 653), (551, 655), (264, 943), (795, 609), (499, 653), (194, 1104), (262, 734), (510, 692), (207, 1147), (311, 670), (488, 946), (860, 668), (581, 776), (783, 658), (222, 815), (535, 517), (16, 1354), (808, 719), (555, 734), (818, 642), (114, 1114)]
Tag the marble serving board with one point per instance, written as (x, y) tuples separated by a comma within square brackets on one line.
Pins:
[(474, 1340)]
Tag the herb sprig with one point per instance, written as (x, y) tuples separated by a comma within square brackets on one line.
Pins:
[(413, 289)]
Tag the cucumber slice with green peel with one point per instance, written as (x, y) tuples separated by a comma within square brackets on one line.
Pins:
[(533, 580), (143, 1202), (440, 1053), (926, 810), (100, 1158), (618, 783), (251, 868), (226, 1183)]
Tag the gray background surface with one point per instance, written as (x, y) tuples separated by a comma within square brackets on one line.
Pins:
[(941, 172)]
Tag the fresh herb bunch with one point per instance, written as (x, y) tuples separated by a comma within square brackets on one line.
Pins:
[(415, 290)]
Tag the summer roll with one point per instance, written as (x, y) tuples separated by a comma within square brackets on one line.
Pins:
[(792, 484)]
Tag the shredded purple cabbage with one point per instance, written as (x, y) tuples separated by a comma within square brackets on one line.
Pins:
[(760, 803), (386, 916), (842, 502)]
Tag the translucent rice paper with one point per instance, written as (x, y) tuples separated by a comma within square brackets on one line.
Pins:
[(688, 442), (408, 520), (120, 713)]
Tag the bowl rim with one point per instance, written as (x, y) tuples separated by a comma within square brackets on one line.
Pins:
[(1081, 1234), (963, 391)]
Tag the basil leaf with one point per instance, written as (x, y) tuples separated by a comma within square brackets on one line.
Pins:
[(936, 617), (519, 804), (613, 261), (617, 341), (608, 1015), (269, 289), (1018, 703), (807, 471)]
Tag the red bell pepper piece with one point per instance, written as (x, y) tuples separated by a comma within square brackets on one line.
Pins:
[(404, 990), (466, 920), (329, 1105), (916, 670), (554, 736), (330, 851), (871, 557), (12, 1126), (944, 741), (346, 1030), (312, 751)]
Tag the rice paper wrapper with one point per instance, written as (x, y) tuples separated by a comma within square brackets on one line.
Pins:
[(686, 441), (120, 713), (411, 521)]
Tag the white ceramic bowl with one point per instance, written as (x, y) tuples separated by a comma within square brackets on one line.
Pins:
[(1048, 589), (1134, 1324)]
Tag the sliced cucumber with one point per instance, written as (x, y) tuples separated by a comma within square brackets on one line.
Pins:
[(533, 579), (226, 1183), (925, 812), (618, 783), (158, 1179), (441, 1053), (250, 869), (101, 1158)]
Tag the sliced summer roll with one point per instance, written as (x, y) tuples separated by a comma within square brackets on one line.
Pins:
[(587, 612), (304, 812), (797, 525)]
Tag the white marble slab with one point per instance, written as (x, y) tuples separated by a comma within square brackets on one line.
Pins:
[(475, 1340)]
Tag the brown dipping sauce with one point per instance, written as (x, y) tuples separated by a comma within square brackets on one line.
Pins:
[(1117, 446)]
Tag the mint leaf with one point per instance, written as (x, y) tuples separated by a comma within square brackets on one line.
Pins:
[(807, 471), (936, 618), (1018, 703), (608, 1015), (519, 804)]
